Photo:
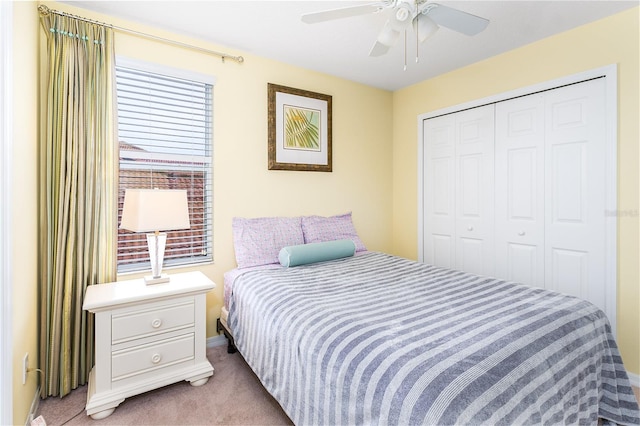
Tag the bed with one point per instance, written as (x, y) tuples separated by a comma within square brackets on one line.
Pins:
[(378, 339)]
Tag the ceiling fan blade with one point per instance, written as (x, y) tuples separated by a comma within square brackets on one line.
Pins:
[(345, 12), (456, 20)]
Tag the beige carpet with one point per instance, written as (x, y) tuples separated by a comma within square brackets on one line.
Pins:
[(233, 396)]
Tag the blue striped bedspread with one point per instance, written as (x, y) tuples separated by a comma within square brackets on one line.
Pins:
[(381, 340)]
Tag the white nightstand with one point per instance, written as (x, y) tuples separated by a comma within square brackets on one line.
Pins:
[(146, 336)]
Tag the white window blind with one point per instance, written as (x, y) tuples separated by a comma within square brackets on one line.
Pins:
[(165, 139)]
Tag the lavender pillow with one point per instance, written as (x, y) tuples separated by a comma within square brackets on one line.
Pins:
[(318, 229), (258, 241)]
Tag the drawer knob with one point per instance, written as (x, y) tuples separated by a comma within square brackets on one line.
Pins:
[(155, 358), (521, 233), (469, 228), (156, 323)]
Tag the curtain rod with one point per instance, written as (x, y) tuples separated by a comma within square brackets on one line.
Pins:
[(44, 10)]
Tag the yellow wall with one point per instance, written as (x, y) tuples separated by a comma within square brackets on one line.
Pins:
[(613, 40), (24, 211), (243, 186)]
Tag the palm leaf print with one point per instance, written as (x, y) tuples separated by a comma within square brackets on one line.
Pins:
[(301, 130)]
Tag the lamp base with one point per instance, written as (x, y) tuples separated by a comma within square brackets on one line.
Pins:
[(150, 279)]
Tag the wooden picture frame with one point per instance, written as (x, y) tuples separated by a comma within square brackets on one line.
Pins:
[(299, 129)]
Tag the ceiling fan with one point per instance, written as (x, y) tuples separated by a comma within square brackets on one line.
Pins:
[(424, 16)]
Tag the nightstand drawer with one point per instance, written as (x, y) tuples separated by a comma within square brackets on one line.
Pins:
[(158, 319), (142, 359)]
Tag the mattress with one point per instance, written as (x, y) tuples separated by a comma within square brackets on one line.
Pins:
[(231, 276), (224, 315), (377, 339)]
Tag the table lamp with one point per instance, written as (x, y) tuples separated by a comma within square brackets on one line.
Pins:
[(152, 211)]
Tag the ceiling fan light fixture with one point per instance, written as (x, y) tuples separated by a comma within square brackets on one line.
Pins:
[(388, 36), (378, 49), (424, 27), (402, 16)]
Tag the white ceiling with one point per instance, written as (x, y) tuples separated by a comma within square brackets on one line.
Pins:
[(273, 29)]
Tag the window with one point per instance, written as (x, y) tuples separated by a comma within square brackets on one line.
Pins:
[(165, 141)]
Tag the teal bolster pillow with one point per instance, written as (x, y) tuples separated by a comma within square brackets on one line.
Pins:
[(304, 254)]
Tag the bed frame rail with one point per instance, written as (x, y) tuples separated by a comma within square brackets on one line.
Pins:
[(231, 347)]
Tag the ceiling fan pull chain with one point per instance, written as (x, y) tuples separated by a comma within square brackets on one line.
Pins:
[(417, 39), (405, 50), (417, 18)]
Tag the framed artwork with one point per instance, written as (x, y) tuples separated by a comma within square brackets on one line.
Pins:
[(299, 129)]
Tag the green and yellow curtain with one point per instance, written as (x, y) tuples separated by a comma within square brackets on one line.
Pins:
[(78, 194)]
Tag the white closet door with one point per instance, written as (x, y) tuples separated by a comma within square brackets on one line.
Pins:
[(439, 198), (474, 193), (519, 189), (575, 190), (519, 175)]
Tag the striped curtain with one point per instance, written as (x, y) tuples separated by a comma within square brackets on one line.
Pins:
[(78, 195)]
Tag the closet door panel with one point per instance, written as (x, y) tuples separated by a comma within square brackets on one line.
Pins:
[(470, 255), (474, 155), (442, 251), (439, 196), (523, 263), (519, 186), (569, 185), (569, 271), (575, 186)]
